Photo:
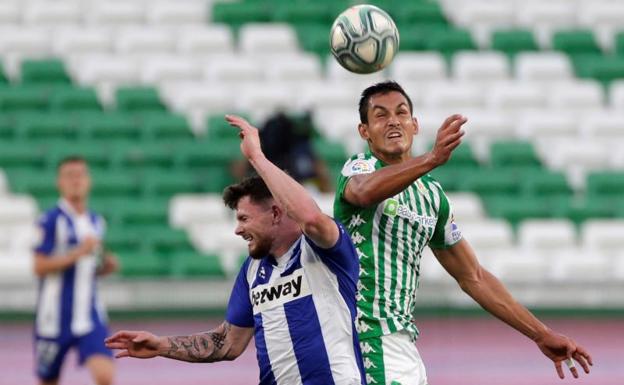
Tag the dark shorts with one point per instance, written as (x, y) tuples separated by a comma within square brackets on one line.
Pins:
[(50, 352)]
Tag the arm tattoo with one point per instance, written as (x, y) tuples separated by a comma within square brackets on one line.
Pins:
[(203, 347)]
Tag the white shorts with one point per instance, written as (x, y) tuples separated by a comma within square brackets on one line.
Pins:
[(393, 360)]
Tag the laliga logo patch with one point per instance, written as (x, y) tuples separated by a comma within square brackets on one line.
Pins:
[(361, 167)]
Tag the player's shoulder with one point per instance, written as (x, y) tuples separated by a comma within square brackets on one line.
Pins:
[(430, 182), (50, 216), (361, 163)]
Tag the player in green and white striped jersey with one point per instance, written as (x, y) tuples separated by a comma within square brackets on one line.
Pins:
[(393, 209)]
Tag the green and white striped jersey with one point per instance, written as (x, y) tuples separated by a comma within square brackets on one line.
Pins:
[(389, 239)]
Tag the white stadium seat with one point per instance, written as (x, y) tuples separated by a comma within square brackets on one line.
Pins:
[(186, 210), (337, 123), (4, 184), (116, 13), (212, 39), (327, 95), (605, 124), (17, 43), (576, 96), (261, 99), (513, 265), (546, 236), (161, 69), (480, 67), (543, 67), (80, 40), (41, 13), (418, 67), (177, 13), (267, 39), (488, 235), (335, 72), (601, 13), (16, 268), (483, 13), (514, 96), (574, 152), (17, 210), (618, 268), (201, 98), (9, 13), (431, 270), (452, 96), (467, 206), (616, 95), (293, 68), (583, 266), (233, 69), (487, 125), (136, 41), (547, 123), (604, 236), (546, 15), (109, 69)]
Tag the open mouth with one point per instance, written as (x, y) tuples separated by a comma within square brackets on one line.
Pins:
[(395, 135)]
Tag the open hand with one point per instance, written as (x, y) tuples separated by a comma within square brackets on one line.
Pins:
[(250, 145), (136, 344), (448, 138), (560, 348)]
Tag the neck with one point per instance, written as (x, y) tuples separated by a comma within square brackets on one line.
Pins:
[(79, 205), (391, 158), (284, 243)]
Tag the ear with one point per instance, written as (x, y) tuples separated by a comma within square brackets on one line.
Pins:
[(363, 130), (416, 126), (277, 214)]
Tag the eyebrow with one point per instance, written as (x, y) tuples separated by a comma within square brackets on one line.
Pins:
[(376, 106)]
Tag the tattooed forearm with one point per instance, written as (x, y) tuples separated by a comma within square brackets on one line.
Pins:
[(203, 347)]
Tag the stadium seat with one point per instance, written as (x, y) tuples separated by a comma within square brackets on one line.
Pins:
[(604, 236), (546, 184), (234, 69), (170, 242), (186, 210), (114, 185), (513, 154), (549, 15), (138, 99), (23, 98), (75, 100), (47, 72), (406, 13), (238, 13), (169, 68), (147, 215), (211, 39), (57, 125), (486, 181), (486, 236), (176, 13), (7, 127), (603, 125), (546, 236), (122, 242), (449, 41), (513, 41), (575, 41), (467, 207), (586, 267), (20, 155), (136, 41), (452, 96), (512, 96), (137, 156), (267, 39), (313, 37), (96, 69), (604, 69), (40, 185), (418, 66), (564, 154), (81, 40), (545, 124), (482, 14), (515, 266), (295, 68), (165, 183), (9, 13), (116, 13), (193, 264), (97, 155), (17, 210), (297, 13), (264, 100), (480, 67), (543, 67), (18, 42), (487, 125), (516, 209), (59, 13), (601, 14), (605, 184), (107, 126), (582, 210), (164, 126), (142, 265)]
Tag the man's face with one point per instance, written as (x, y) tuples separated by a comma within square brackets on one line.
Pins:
[(73, 180), (255, 225), (391, 127)]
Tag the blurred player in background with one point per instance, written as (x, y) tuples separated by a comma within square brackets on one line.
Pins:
[(68, 259), (393, 209), (295, 293)]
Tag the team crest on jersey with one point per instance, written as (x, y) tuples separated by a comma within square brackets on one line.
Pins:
[(282, 290)]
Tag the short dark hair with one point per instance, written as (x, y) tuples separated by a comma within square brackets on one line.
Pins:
[(70, 159), (253, 187), (380, 88)]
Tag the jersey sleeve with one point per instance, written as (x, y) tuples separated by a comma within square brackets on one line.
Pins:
[(46, 225), (342, 253), (446, 232), (239, 311), (354, 166)]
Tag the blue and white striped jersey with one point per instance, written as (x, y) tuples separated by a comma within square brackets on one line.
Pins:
[(302, 307), (67, 304)]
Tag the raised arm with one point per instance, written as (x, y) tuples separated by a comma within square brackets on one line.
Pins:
[(461, 263), (291, 196), (369, 189), (225, 343)]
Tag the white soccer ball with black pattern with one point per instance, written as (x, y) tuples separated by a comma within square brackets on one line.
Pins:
[(364, 39)]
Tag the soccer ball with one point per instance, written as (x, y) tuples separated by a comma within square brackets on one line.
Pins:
[(364, 39)]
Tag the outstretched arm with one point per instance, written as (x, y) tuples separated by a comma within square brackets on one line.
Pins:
[(461, 262), (369, 189), (224, 343), (291, 196)]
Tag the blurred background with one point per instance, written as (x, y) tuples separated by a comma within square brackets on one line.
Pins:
[(139, 88)]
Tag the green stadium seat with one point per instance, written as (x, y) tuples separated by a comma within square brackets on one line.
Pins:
[(194, 264), (546, 184), (122, 242), (606, 185), (7, 127), (207, 153), (237, 13), (48, 71), (144, 213), (3, 77), (167, 183), (463, 157), (414, 12), (21, 154), (138, 99), (314, 37), (214, 179), (490, 181), (165, 126), (109, 126), (96, 155), (330, 152), (602, 68), (513, 154), (42, 185), (135, 155), (169, 242), (449, 41), (24, 98), (451, 178), (46, 126), (619, 43), (303, 12), (115, 185), (575, 42), (218, 129), (75, 99), (512, 41), (414, 36), (142, 265), (516, 209), (584, 209)]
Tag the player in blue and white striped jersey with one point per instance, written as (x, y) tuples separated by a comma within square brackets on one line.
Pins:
[(69, 313), (295, 293)]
